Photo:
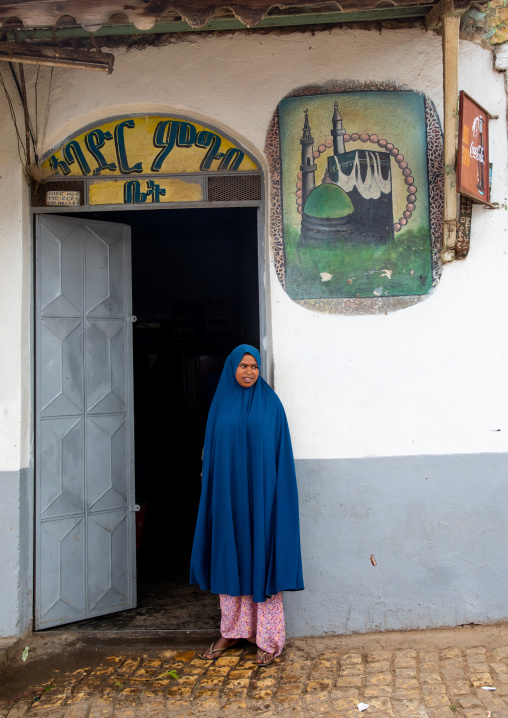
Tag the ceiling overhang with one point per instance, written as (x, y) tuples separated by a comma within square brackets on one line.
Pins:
[(145, 15)]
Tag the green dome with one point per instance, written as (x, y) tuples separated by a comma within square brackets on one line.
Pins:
[(328, 201)]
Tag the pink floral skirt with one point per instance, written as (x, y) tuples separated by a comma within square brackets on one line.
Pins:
[(241, 618)]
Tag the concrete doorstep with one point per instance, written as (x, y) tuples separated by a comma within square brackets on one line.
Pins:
[(445, 673)]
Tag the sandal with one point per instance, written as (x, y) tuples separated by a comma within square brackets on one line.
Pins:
[(260, 655), (211, 650)]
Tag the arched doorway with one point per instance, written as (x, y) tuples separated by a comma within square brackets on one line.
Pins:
[(195, 269)]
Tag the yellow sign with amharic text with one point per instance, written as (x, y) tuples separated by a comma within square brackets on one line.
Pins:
[(144, 191), (147, 145)]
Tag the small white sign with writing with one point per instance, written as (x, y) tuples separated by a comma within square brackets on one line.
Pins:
[(62, 199)]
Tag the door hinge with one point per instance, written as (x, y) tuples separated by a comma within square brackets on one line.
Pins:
[(133, 318), (135, 507)]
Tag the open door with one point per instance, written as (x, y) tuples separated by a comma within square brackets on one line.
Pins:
[(85, 525)]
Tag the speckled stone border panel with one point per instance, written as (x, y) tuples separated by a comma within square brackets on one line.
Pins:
[(366, 305)]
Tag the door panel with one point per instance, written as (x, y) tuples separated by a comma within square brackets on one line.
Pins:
[(85, 530), (61, 278), (106, 389), (60, 347), (62, 440), (108, 568), (61, 548), (105, 260), (106, 462)]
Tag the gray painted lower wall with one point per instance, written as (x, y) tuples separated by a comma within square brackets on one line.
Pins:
[(436, 525), (16, 539)]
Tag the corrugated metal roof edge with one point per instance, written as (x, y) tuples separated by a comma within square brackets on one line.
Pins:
[(92, 15), (220, 24)]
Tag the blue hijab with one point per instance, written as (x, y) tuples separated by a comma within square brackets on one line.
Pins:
[(247, 538)]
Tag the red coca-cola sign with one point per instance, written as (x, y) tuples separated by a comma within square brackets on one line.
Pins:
[(473, 154)]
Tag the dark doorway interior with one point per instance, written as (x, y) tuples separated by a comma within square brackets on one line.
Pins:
[(195, 295)]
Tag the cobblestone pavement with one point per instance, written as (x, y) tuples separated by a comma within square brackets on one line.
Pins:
[(404, 675)]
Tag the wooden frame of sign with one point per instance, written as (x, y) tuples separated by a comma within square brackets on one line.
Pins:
[(473, 154)]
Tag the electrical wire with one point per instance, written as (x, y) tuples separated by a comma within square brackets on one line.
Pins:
[(20, 93), (47, 108), (21, 146), (36, 140), (28, 130)]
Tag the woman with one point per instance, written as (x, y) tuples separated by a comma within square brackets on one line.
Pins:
[(247, 540)]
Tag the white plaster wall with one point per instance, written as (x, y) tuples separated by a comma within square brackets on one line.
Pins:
[(430, 379), (427, 379), (237, 80), (14, 302), (15, 385)]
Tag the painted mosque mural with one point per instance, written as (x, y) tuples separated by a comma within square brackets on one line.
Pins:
[(356, 220)]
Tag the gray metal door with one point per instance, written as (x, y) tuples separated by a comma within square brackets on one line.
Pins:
[(85, 525)]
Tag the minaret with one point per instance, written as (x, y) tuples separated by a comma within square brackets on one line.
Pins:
[(337, 132), (307, 168)]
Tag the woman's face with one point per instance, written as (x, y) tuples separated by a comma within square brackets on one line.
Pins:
[(247, 373)]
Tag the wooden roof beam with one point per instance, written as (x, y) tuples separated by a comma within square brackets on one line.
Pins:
[(56, 56), (446, 15)]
